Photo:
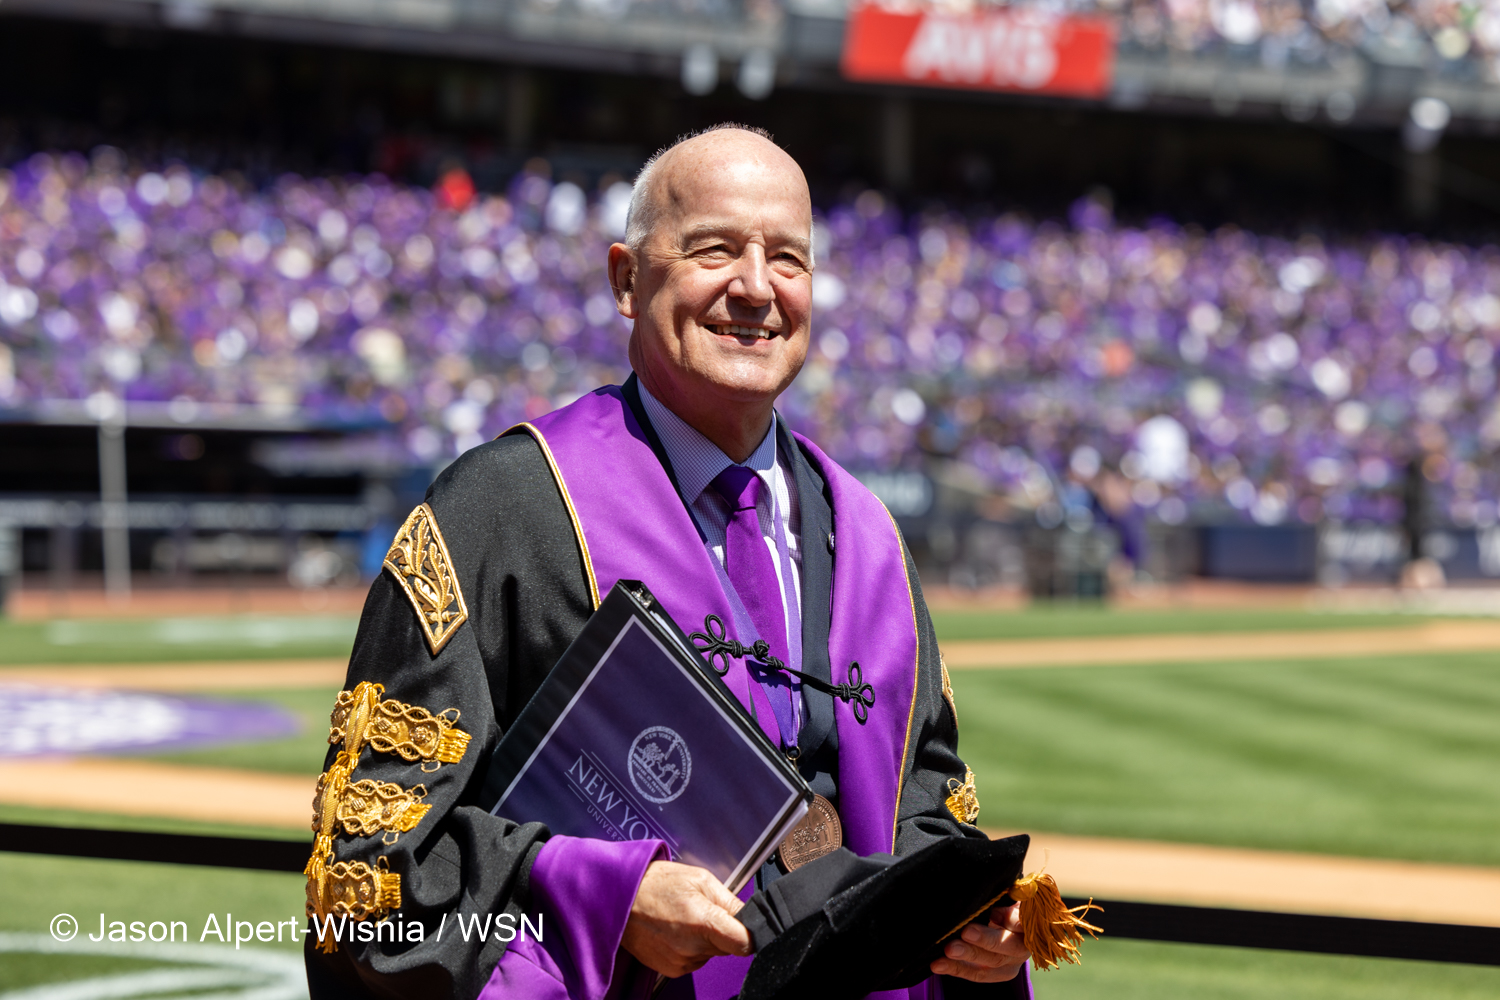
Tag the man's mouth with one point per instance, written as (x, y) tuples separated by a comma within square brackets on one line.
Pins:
[(743, 332)]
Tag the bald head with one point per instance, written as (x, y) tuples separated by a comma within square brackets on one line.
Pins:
[(728, 148), (716, 275)]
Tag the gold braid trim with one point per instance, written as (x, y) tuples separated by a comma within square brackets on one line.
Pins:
[(354, 890), (370, 807), (417, 734), (352, 711), (363, 808), (419, 560), (391, 726), (963, 798), (948, 688)]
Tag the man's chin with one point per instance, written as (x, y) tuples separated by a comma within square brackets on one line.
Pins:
[(746, 385)]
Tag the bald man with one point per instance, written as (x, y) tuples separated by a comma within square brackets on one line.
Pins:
[(685, 478)]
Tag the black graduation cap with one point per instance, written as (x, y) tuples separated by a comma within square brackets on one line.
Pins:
[(845, 926)]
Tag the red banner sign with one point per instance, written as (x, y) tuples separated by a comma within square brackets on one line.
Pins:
[(1016, 50)]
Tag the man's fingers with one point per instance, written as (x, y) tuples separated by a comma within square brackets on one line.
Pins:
[(987, 947), (726, 933), (682, 917), (976, 973), (1008, 917), (722, 897), (987, 938)]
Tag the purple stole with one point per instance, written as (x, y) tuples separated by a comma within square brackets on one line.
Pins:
[(631, 524)]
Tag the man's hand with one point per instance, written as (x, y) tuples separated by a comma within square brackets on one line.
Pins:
[(682, 917), (992, 954)]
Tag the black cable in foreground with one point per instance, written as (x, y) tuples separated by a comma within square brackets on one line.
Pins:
[(1460, 943), (1299, 932), (168, 848)]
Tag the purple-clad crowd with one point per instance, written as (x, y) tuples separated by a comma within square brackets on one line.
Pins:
[(1458, 39), (1162, 367)]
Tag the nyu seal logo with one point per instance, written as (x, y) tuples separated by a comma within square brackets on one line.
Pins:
[(659, 765)]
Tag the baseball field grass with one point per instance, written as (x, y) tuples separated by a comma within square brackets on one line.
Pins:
[(1149, 970), (1389, 756), (298, 754), (165, 640), (201, 902), (1077, 621)]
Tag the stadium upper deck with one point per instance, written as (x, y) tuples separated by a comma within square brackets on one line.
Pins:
[(1333, 60)]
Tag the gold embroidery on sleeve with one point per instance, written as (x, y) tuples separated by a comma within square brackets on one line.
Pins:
[(963, 799), (417, 734), (391, 726), (323, 875), (419, 560), (352, 889), (370, 807)]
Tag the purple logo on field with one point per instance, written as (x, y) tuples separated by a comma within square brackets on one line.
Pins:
[(659, 765)]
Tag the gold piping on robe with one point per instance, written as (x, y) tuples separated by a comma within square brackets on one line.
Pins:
[(963, 799), (562, 487), (419, 560), (948, 688)]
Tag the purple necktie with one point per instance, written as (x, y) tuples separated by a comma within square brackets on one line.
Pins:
[(747, 559), (747, 563)]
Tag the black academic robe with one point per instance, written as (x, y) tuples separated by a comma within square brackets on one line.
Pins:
[(518, 565)]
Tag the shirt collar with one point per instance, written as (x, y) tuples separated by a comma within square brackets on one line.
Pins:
[(695, 459)]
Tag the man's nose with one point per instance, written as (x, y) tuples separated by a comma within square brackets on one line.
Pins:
[(751, 282)]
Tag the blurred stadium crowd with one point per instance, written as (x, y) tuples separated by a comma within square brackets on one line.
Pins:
[(1463, 38), (1166, 369), (1460, 40)]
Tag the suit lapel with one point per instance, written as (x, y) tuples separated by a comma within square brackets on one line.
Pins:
[(817, 592)]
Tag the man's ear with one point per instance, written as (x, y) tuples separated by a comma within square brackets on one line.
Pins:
[(622, 275)]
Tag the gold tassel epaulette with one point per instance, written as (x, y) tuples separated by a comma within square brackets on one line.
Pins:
[(1051, 930)]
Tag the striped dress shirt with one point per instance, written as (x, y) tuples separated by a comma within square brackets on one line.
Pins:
[(697, 461)]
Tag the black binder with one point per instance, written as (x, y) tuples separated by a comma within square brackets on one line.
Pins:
[(633, 736)]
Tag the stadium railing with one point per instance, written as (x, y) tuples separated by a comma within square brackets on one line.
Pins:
[(1472, 945)]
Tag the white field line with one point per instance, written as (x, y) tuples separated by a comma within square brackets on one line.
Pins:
[(251, 973)]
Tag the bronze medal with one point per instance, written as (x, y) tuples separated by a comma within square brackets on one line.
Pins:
[(819, 833)]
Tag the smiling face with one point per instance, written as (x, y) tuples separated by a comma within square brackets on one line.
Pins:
[(721, 287)]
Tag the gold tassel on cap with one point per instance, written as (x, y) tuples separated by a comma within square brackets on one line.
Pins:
[(1052, 932)]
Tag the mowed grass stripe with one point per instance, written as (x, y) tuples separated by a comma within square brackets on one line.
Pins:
[(1419, 637), (37, 888), (168, 640), (263, 637), (1149, 970), (1377, 757), (1063, 621)]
